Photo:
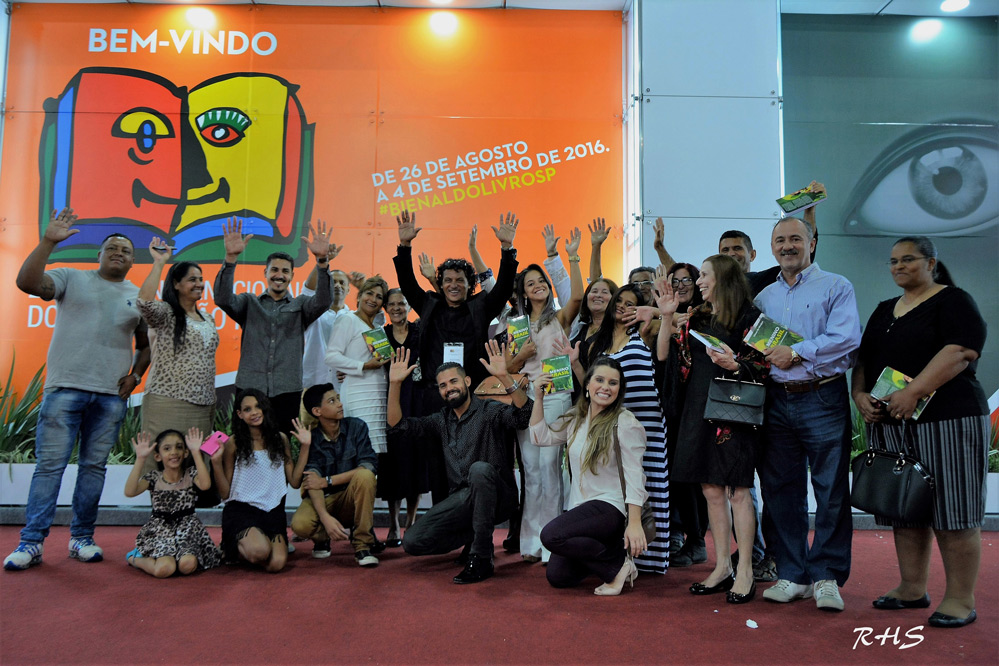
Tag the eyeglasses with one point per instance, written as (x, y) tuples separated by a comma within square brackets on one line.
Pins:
[(643, 283), (905, 261), (684, 281)]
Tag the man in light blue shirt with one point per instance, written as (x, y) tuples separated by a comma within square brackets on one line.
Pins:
[(808, 421)]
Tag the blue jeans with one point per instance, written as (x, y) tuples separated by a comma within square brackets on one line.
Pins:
[(65, 415), (808, 431)]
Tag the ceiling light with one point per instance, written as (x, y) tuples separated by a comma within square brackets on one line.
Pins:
[(443, 23), (953, 5), (201, 18), (448, 2), (925, 30)]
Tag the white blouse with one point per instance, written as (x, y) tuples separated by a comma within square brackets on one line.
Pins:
[(605, 485)]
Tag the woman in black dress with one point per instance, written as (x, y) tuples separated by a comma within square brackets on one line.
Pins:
[(722, 459), (402, 473), (933, 333)]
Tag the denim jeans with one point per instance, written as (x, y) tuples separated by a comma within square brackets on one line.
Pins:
[(808, 431), (65, 415)]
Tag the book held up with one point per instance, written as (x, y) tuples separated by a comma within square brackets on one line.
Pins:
[(800, 200), (560, 370), (519, 332), (765, 334)]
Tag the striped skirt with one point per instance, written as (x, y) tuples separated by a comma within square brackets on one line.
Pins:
[(955, 452)]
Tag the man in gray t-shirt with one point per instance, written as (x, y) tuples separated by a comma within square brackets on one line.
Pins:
[(91, 371)]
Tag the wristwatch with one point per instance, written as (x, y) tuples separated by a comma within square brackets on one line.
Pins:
[(795, 359)]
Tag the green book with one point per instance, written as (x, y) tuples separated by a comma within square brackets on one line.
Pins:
[(560, 369), (709, 341), (891, 380), (519, 329), (766, 333), (377, 338), (800, 200)]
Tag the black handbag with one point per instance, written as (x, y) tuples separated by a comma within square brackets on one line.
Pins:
[(893, 485), (735, 401)]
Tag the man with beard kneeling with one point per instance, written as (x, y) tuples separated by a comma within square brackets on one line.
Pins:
[(474, 436)]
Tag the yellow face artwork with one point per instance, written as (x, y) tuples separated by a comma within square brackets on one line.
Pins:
[(239, 122)]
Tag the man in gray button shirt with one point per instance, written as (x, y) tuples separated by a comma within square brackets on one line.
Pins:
[(273, 323)]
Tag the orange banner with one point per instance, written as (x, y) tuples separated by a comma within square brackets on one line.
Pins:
[(166, 120)]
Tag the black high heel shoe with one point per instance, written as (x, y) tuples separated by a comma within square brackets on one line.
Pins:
[(725, 585), (736, 598)]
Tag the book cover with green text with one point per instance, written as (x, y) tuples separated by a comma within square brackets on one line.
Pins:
[(765, 333), (377, 338), (560, 370), (519, 332), (800, 200), (891, 380)]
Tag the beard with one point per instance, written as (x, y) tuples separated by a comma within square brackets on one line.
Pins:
[(457, 401)]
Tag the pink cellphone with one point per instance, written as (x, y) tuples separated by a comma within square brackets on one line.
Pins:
[(214, 442)]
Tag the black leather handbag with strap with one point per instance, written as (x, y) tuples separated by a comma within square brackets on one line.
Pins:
[(733, 401), (893, 485)]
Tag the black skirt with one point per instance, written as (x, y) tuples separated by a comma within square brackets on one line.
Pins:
[(239, 516)]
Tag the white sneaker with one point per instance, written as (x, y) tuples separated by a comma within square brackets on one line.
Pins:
[(365, 558), (85, 550), (827, 596), (24, 556), (784, 591), (321, 550)]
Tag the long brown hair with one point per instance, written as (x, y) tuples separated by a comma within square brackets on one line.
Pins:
[(600, 436), (731, 291)]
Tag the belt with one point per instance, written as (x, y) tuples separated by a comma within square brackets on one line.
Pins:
[(806, 386)]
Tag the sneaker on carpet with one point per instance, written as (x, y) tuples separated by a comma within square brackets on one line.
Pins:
[(765, 571), (85, 550), (784, 591), (25, 555), (321, 550), (365, 558), (827, 596)]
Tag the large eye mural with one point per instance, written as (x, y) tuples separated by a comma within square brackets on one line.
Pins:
[(126, 148), (938, 180)]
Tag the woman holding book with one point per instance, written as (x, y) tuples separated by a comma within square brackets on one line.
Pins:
[(364, 390), (543, 466), (602, 530), (721, 458), (934, 334)]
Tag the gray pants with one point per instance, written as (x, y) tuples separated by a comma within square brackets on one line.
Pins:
[(467, 515)]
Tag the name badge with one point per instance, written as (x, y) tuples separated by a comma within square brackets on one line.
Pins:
[(454, 352)]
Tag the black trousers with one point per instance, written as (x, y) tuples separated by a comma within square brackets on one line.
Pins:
[(467, 515), (586, 540)]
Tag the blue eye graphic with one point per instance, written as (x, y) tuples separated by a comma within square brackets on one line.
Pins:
[(937, 180)]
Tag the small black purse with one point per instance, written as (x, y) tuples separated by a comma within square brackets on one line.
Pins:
[(893, 485), (732, 401)]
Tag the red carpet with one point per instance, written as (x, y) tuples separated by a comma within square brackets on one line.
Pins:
[(407, 611)]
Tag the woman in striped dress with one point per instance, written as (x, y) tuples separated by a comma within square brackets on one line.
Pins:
[(625, 344)]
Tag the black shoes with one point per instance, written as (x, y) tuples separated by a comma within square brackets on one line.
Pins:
[(725, 585), (511, 544), (942, 621), (477, 570), (689, 554), (736, 598), (393, 543), (891, 603), (462, 559)]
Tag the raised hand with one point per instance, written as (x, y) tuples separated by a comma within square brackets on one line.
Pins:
[(507, 230), (302, 434), (159, 250), (143, 445), (428, 268), (667, 299), (407, 227), (551, 240), (400, 367), (496, 361), (193, 440), (356, 279), (660, 232), (562, 345), (319, 246), (473, 236), (334, 252), (541, 384), (233, 238), (599, 231), (59, 226), (573, 241)]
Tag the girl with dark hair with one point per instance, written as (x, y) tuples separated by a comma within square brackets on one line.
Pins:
[(933, 333), (624, 343), (542, 467), (173, 539), (252, 476), (180, 390), (722, 459), (602, 530)]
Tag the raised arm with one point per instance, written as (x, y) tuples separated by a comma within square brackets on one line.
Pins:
[(668, 301), (398, 371), (31, 279), (570, 308), (135, 485), (473, 251), (193, 440), (556, 269), (160, 253), (598, 234), (500, 294), (657, 244), (223, 466), (403, 261), (312, 280), (809, 214), (225, 298), (304, 437)]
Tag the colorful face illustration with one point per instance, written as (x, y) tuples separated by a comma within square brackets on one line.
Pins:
[(127, 148)]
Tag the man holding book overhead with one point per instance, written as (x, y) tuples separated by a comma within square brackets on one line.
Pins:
[(808, 420)]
